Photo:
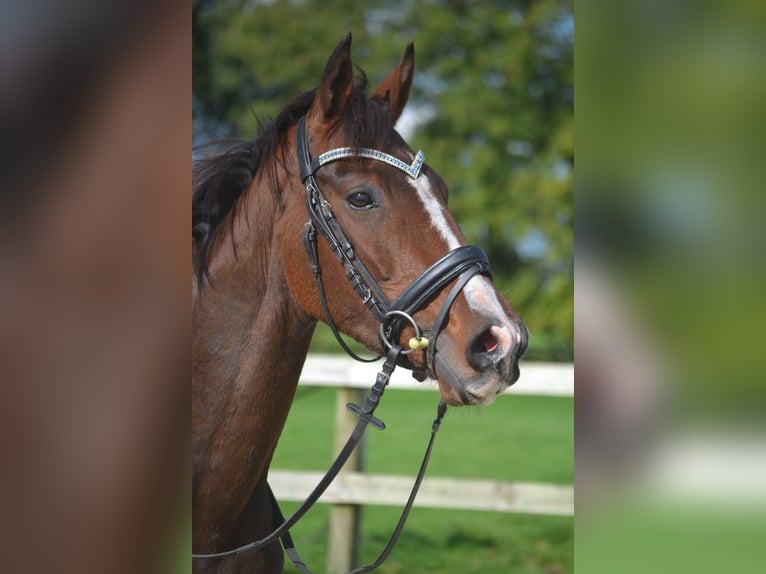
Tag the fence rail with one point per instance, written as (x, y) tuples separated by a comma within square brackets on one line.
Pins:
[(464, 494), (549, 379), (353, 487)]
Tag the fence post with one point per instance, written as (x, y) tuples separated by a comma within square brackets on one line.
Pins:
[(343, 553)]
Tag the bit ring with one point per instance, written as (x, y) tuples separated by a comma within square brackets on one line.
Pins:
[(418, 336)]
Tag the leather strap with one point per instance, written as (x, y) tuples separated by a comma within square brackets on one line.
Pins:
[(286, 539), (441, 409), (431, 351), (371, 403), (292, 553), (322, 217), (431, 281), (310, 243)]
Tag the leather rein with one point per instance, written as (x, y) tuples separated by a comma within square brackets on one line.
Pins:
[(461, 264)]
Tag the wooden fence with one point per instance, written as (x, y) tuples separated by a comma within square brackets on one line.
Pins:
[(353, 487)]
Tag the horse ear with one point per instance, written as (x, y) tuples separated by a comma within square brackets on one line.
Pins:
[(336, 85), (395, 89)]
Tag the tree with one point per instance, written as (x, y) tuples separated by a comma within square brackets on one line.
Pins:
[(492, 107)]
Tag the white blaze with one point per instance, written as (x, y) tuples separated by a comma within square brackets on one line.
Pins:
[(478, 291)]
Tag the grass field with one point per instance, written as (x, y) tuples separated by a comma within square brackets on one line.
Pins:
[(517, 438)]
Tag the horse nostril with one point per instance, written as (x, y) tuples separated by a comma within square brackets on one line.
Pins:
[(483, 352), (488, 341)]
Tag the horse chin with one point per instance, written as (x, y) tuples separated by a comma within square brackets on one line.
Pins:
[(458, 389), (464, 397), (484, 393)]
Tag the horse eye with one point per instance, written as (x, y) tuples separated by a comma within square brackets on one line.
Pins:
[(360, 200)]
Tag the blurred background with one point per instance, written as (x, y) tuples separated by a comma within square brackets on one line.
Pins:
[(670, 451)]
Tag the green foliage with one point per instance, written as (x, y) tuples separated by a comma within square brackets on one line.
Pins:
[(492, 102)]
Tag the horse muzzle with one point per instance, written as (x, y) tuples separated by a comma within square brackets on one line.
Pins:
[(491, 363)]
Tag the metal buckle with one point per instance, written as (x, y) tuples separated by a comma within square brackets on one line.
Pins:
[(368, 296)]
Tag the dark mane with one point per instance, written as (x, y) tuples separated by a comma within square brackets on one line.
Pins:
[(219, 180)]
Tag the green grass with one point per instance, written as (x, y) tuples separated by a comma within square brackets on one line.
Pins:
[(517, 438)]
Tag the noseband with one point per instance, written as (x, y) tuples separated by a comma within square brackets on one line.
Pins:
[(462, 262)]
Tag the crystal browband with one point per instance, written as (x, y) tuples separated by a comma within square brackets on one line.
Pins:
[(413, 169)]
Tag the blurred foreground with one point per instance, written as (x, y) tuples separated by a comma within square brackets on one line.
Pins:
[(670, 276), (95, 179)]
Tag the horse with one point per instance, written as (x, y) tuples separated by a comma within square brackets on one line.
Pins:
[(327, 215)]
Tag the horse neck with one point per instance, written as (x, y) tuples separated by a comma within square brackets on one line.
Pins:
[(250, 341)]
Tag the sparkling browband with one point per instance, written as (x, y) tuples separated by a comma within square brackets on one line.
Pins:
[(413, 170)]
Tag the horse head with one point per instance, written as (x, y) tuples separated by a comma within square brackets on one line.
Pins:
[(397, 257)]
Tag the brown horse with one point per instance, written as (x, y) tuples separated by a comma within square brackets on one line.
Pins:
[(256, 301)]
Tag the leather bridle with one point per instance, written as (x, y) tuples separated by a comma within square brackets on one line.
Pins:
[(464, 261), (459, 265)]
